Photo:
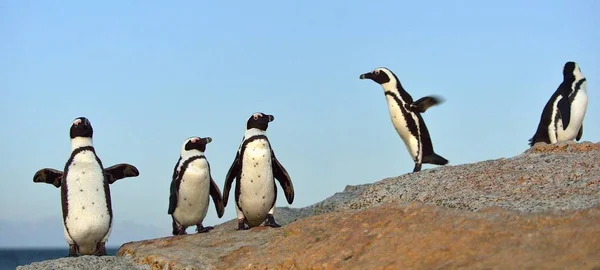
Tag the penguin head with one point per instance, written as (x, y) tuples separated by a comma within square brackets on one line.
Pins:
[(572, 71), (81, 127), (259, 121), (382, 76), (196, 143)]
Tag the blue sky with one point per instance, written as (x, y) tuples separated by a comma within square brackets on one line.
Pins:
[(150, 74)]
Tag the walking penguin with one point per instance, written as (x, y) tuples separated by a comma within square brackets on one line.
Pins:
[(191, 186), (406, 117)]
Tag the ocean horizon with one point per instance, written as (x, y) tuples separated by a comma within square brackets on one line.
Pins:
[(10, 258)]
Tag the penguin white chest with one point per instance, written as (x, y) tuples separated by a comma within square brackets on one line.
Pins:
[(578, 110), (88, 220), (257, 186), (401, 125), (192, 199)]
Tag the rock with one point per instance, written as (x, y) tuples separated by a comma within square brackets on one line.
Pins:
[(391, 235), (429, 237), (85, 263), (506, 213), (568, 178)]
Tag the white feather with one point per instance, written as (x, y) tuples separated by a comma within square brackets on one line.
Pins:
[(257, 183), (556, 131), (78, 142), (193, 199), (88, 220), (411, 142)]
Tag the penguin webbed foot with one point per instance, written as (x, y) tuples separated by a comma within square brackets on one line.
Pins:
[(202, 229), (72, 251), (271, 222), (180, 230), (100, 249), (242, 225)]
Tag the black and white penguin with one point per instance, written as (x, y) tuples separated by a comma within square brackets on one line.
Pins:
[(85, 195), (562, 117), (255, 167), (191, 186), (406, 117)]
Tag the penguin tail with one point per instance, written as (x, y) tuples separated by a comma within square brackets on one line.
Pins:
[(539, 136), (435, 159), (531, 143)]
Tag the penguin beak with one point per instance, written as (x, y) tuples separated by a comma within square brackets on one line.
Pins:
[(367, 75), (208, 140), (271, 118)]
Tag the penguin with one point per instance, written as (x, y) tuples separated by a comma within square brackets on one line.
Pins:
[(562, 117), (191, 186), (85, 194), (255, 167), (406, 117)]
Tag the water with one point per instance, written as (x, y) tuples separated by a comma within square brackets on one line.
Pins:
[(11, 258)]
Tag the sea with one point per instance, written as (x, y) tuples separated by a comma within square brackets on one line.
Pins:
[(11, 258)]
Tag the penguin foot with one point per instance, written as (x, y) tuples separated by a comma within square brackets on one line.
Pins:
[(242, 225), (271, 222), (180, 230), (202, 229), (73, 251), (100, 249)]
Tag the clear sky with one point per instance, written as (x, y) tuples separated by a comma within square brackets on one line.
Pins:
[(149, 74)]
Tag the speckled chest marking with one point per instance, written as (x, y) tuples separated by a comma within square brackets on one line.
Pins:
[(88, 219), (257, 185), (193, 200)]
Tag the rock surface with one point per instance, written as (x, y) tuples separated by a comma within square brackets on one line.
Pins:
[(391, 236), (537, 210), (421, 236), (85, 263)]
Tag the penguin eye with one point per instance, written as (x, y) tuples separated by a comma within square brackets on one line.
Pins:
[(255, 117), (376, 72)]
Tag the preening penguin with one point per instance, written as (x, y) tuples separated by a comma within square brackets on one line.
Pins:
[(255, 167), (191, 186), (406, 117), (85, 193), (562, 117)]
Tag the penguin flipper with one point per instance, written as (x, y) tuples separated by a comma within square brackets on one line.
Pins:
[(424, 103), (120, 171), (173, 196), (48, 176), (233, 172), (580, 133), (564, 108), (215, 193), (173, 192), (284, 179)]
